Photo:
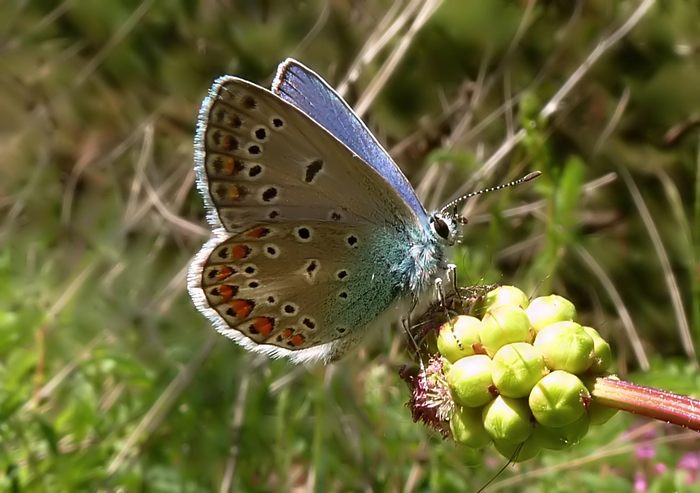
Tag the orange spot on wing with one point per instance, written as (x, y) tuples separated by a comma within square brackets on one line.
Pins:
[(224, 272), (287, 333), (232, 192), (259, 232), (297, 340), (264, 325), (239, 252), (227, 291), (229, 166), (242, 308)]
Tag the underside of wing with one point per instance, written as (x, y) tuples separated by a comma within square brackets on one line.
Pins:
[(308, 291), (302, 87), (260, 159)]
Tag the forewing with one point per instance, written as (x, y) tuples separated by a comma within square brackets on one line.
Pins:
[(258, 159), (304, 89)]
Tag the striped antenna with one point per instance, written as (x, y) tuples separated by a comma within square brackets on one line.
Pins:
[(526, 178)]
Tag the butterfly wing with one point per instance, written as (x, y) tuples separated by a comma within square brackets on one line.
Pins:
[(308, 290), (286, 197), (259, 158), (303, 88)]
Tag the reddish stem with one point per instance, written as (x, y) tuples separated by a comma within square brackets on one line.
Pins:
[(654, 403)]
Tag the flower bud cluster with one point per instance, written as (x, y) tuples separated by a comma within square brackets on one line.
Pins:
[(517, 374)]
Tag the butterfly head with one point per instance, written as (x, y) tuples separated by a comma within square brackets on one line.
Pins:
[(445, 227), (446, 223)]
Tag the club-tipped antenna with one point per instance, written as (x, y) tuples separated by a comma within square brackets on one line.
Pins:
[(527, 177)]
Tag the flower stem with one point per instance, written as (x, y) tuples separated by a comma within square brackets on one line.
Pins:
[(654, 403)]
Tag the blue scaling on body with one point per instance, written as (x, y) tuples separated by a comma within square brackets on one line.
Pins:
[(318, 236)]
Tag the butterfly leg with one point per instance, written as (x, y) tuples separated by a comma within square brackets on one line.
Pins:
[(407, 326), (452, 276), (442, 299)]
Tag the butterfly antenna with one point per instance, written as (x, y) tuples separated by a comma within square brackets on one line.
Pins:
[(526, 178)]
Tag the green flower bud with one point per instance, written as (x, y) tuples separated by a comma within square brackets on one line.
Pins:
[(558, 399), (546, 310), (506, 295), (467, 427), (517, 367), (564, 436), (602, 354), (503, 325), (459, 338), (565, 346), (470, 380), (507, 419), (518, 452)]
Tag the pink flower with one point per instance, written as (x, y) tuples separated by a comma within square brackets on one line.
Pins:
[(690, 462), (640, 482), (431, 401), (645, 452)]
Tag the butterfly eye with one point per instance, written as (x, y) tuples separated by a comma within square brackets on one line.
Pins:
[(441, 227)]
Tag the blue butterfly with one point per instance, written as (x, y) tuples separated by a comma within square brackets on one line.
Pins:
[(318, 236)]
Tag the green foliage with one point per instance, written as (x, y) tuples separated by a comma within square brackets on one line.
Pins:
[(110, 379)]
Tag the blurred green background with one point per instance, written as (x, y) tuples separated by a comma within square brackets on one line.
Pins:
[(109, 378)]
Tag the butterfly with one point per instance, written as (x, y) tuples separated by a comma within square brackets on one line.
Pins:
[(318, 237)]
